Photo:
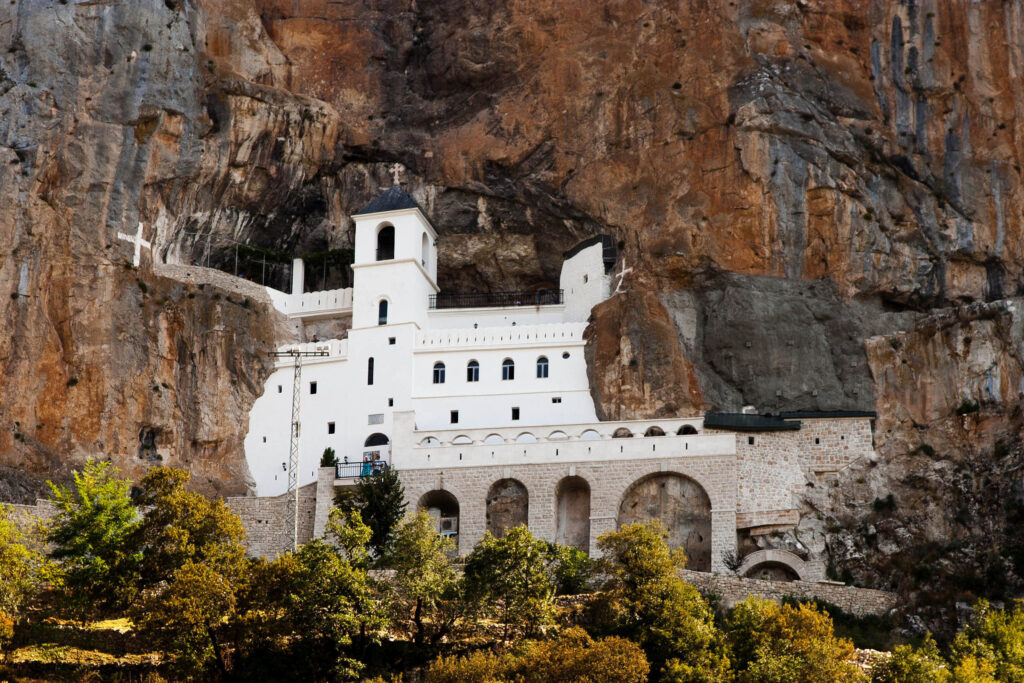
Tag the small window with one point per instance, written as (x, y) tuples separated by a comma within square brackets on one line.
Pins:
[(375, 419), (455, 417), (391, 341), (312, 387), (585, 278), (279, 388), (382, 312), (472, 371), (542, 367), (391, 403), (817, 441), (556, 399), (369, 370), (565, 355), (330, 427), (508, 369), (264, 439), (515, 413), (438, 373), (750, 440)]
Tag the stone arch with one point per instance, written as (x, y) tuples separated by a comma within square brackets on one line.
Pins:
[(775, 565), (443, 507), (385, 242), (589, 435), (687, 430), (622, 433), (461, 440), (572, 513), (654, 430), (682, 505), (430, 441), (507, 506), (526, 437), (494, 439)]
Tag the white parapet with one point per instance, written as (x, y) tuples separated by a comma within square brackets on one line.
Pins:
[(328, 303)]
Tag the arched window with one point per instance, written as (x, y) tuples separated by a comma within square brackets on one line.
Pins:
[(386, 243), (687, 429), (425, 251), (542, 367), (382, 312), (439, 373), (508, 369), (472, 371), (369, 370)]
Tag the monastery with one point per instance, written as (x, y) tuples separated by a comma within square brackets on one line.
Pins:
[(482, 405)]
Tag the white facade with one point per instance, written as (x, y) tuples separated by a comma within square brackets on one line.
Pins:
[(404, 339)]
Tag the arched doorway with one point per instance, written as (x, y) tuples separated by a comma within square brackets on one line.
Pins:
[(772, 571), (376, 439), (443, 507), (386, 243), (683, 507), (508, 506), (572, 513)]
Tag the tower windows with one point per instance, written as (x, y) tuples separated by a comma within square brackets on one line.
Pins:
[(542, 367), (312, 387), (438, 373), (382, 312), (472, 371), (369, 371), (425, 251), (386, 243), (508, 369), (330, 427)]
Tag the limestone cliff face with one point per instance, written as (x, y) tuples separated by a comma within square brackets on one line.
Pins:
[(787, 181)]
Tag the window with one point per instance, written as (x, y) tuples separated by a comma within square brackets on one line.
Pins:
[(264, 439), (375, 419), (455, 417), (542, 367), (382, 312), (279, 388), (369, 370), (515, 413), (391, 341), (508, 369), (750, 440), (386, 243), (556, 399), (473, 371), (585, 278), (438, 373), (312, 387), (391, 403), (330, 427), (565, 355)]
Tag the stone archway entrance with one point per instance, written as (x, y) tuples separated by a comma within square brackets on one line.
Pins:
[(572, 513), (508, 506), (443, 508), (683, 507)]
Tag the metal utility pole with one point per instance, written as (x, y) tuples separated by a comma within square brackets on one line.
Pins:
[(293, 444)]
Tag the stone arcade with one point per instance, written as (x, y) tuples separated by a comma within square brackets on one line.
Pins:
[(482, 405)]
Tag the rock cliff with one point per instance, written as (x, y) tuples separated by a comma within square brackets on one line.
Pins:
[(813, 200)]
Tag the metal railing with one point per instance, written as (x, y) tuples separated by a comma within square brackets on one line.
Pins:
[(355, 470), (541, 297)]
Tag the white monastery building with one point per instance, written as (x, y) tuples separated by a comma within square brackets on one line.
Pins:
[(482, 405)]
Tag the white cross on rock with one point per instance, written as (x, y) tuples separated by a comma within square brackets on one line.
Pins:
[(139, 243)]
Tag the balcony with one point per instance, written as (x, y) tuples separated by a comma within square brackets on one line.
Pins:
[(542, 297), (358, 470)]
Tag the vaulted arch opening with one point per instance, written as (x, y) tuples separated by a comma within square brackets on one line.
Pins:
[(572, 513), (682, 506), (386, 242), (508, 506), (443, 508)]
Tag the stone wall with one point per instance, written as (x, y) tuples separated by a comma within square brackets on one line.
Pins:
[(266, 521), (733, 589)]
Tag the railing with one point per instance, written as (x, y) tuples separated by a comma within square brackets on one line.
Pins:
[(542, 297), (355, 470)]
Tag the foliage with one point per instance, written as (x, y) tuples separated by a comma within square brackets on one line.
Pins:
[(571, 657), (772, 642), (644, 599), (991, 646), (380, 501), (22, 570), (507, 578), (908, 664), (95, 517), (329, 458), (425, 590), (573, 569)]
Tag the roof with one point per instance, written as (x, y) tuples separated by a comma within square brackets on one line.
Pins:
[(393, 199), (609, 250), (818, 414), (743, 422)]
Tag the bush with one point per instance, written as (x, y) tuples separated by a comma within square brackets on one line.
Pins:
[(573, 569), (992, 645), (912, 665)]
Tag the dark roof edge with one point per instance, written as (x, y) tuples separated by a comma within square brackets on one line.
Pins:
[(745, 422), (819, 414), (589, 242), (392, 199)]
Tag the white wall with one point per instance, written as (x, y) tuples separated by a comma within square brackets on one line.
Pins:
[(449, 318), (584, 283)]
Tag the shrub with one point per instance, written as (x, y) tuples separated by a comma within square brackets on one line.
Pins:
[(573, 569), (912, 665)]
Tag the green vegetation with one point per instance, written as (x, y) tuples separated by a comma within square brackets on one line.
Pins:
[(380, 501)]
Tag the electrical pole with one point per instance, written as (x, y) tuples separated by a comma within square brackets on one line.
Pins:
[(293, 443)]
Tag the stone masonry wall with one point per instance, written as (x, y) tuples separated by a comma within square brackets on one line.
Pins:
[(733, 589), (266, 521)]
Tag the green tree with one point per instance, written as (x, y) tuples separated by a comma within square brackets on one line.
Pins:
[(508, 577), (425, 589), (991, 645), (573, 569), (773, 642), (644, 599), (380, 501), (329, 458), (94, 518), (909, 664), (22, 569)]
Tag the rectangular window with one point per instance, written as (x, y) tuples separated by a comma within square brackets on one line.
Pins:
[(391, 341), (515, 413), (330, 427), (279, 388), (556, 399), (455, 417), (312, 387), (391, 403), (375, 419), (750, 440)]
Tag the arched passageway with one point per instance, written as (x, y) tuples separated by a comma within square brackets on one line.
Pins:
[(443, 507), (508, 506), (772, 571), (683, 507), (572, 513)]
